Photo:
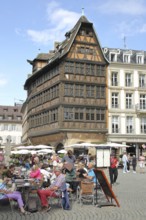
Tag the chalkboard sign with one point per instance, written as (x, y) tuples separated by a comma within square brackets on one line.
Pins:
[(105, 185)]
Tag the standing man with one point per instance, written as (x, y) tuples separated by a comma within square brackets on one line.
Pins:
[(125, 160), (134, 163), (113, 169)]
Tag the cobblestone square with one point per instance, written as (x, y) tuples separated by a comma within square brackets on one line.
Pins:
[(130, 192)]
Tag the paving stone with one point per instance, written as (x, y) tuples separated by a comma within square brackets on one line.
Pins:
[(130, 192)]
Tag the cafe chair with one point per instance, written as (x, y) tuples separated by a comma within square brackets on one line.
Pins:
[(56, 201), (7, 201), (86, 192), (63, 198)]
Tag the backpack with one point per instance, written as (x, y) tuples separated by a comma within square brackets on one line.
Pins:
[(32, 205)]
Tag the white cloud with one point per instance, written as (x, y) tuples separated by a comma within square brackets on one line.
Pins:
[(130, 7), (143, 28), (3, 81), (19, 32), (128, 28), (60, 21)]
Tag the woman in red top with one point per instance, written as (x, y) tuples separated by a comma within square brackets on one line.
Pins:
[(113, 169)]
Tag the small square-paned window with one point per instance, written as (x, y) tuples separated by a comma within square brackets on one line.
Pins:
[(19, 118), (9, 117)]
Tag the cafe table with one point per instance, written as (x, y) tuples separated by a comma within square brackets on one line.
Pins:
[(26, 187)]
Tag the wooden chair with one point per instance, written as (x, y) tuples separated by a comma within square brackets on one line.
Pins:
[(86, 192)]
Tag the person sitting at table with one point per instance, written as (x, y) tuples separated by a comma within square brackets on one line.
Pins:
[(90, 175), (58, 184), (81, 170), (35, 172), (27, 163), (5, 193), (46, 176), (10, 172)]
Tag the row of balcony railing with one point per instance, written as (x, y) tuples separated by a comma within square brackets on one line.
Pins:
[(137, 107), (128, 84), (128, 131)]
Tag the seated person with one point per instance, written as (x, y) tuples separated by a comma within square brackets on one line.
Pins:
[(59, 183), (10, 172), (46, 175), (81, 170), (90, 174), (35, 172), (7, 193), (27, 163)]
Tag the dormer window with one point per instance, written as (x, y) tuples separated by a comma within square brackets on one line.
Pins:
[(139, 59), (126, 58), (113, 57)]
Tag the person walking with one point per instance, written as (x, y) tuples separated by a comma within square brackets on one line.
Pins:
[(134, 163), (124, 159), (113, 169)]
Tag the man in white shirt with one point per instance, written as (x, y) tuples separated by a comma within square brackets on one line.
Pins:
[(125, 160)]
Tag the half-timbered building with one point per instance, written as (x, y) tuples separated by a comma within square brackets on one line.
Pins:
[(66, 92)]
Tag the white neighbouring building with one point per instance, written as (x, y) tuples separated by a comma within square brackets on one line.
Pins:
[(11, 124), (126, 86)]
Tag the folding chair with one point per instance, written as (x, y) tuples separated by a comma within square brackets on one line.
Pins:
[(86, 192), (7, 201), (63, 199), (56, 200)]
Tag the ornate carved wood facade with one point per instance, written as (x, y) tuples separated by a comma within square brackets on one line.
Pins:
[(67, 97)]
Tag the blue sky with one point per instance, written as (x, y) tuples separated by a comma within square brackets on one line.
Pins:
[(30, 27)]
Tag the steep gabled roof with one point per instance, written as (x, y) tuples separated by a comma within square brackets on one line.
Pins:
[(64, 47)]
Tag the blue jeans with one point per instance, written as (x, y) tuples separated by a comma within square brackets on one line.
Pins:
[(125, 167)]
